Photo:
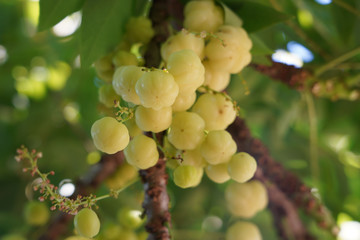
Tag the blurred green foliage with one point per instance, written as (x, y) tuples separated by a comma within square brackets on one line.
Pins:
[(48, 102)]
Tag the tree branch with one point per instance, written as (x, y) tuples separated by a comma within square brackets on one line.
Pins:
[(291, 186)]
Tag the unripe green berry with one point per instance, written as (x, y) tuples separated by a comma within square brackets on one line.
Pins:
[(242, 167), (186, 176), (36, 213), (87, 223)]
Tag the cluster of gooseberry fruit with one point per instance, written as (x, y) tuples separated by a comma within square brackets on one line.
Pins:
[(184, 99)]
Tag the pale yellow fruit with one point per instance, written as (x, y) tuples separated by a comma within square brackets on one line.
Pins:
[(229, 52), (242, 167), (124, 81), (193, 158), (202, 16), (218, 147), (152, 120), (124, 58), (187, 70), (142, 152), (108, 96), (133, 128), (122, 175), (36, 213), (241, 230), (182, 41), (246, 199), (217, 173), (184, 101), (139, 30), (217, 111), (109, 135), (87, 223), (215, 78), (187, 176), (105, 68), (186, 130), (157, 89)]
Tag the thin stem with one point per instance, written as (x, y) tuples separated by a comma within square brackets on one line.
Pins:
[(337, 61), (314, 162), (116, 192)]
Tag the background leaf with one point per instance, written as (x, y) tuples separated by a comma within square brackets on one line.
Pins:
[(52, 12), (102, 27), (256, 16), (259, 47), (344, 20)]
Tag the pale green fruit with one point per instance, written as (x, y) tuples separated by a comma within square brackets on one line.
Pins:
[(130, 218), (122, 175), (133, 129), (193, 158), (241, 230), (157, 89), (218, 147), (108, 96), (142, 152), (202, 16), (215, 78), (139, 30), (217, 173), (104, 68), (124, 82), (124, 58), (87, 223), (152, 120), (187, 69), (128, 235), (36, 213), (109, 135), (184, 101), (229, 52), (242, 167), (181, 41), (186, 130), (186, 176), (246, 199), (217, 111)]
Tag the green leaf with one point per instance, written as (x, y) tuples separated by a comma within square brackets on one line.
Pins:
[(344, 20), (230, 18), (259, 48), (53, 11), (256, 16), (102, 27)]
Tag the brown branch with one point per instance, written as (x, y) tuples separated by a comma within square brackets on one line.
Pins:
[(289, 75), (289, 184), (58, 225), (156, 202)]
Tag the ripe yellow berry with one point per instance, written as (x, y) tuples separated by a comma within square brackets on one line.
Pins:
[(242, 167), (193, 158), (157, 89), (87, 223), (215, 78), (152, 120), (243, 231), (36, 213), (142, 152), (202, 16), (124, 58), (186, 130), (187, 69), (218, 147), (187, 176), (181, 41), (184, 101), (124, 82), (246, 199), (217, 173), (217, 111), (139, 30), (107, 95), (109, 135)]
